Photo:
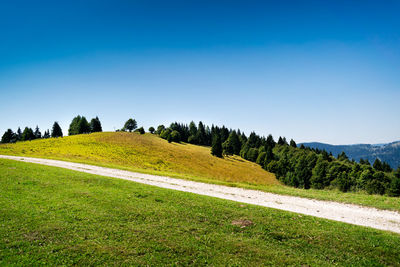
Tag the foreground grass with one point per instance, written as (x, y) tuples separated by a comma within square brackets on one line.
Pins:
[(52, 216), (151, 154)]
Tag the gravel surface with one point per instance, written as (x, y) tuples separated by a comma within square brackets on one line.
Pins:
[(348, 213)]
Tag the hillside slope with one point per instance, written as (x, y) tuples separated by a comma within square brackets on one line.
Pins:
[(144, 153), (389, 153)]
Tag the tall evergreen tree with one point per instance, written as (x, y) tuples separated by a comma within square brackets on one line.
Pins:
[(46, 134), (282, 141), (201, 134), (293, 143), (37, 133), (8, 137), (377, 165), (270, 142), (56, 130), (19, 134), (216, 149), (27, 134), (95, 125), (83, 126), (232, 145), (74, 126)]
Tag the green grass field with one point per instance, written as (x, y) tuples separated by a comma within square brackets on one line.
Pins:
[(52, 216), (151, 154)]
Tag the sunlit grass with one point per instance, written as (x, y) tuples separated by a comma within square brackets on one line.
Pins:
[(145, 153), (56, 217)]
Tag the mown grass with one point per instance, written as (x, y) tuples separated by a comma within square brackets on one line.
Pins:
[(151, 154), (52, 216)]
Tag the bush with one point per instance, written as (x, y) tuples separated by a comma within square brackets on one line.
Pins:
[(175, 136), (165, 133), (140, 130)]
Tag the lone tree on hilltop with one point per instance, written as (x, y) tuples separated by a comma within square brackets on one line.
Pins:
[(56, 130), (216, 149), (95, 125), (151, 130), (130, 125)]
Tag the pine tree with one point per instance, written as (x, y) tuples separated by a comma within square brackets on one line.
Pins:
[(37, 133), (56, 130), (95, 125), (19, 134), (216, 149), (8, 137), (27, 134), (232, 145), (293, 143), (377, 165), (282, 141), (73, 127), (201, 134), (46, 134), (83, 126)]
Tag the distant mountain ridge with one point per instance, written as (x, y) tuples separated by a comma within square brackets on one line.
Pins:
[(389, 152)]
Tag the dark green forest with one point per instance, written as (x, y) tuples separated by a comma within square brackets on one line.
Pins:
[(300, 167)]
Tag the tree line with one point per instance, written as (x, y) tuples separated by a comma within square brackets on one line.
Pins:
[(300, 167), (79, 125), (28, 134)]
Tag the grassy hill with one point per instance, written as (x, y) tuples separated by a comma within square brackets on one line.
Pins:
[(52, 216), (144, 153)]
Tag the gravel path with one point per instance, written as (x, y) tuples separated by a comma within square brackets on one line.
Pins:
[(353, 214)]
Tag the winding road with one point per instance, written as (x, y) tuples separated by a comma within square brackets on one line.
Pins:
[(348, 213)]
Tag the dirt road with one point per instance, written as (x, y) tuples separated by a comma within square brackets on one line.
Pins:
[(353, 214)]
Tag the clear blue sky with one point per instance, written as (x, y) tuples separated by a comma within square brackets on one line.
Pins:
[(324, 71)]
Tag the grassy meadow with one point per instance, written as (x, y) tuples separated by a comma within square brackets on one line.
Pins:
[(52, 216), (144, 153), (150, 154)]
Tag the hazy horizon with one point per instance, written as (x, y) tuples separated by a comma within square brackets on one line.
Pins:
[(315, 72)]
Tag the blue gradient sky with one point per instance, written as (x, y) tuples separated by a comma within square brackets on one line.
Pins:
[(324, 71)]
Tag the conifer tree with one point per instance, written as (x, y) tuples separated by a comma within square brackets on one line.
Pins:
[(201, 134), (37, 133), (83, 126), (27, 134), (8, 137), (95, 125), (216, 149), (19, 134), (293, 143), (46, 134), (56, 130), (377, 165)]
